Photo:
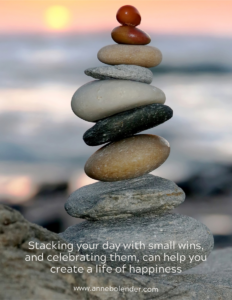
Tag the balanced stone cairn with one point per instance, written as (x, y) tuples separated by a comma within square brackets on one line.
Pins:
[(129, 206)]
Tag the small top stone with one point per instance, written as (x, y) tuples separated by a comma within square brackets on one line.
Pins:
[(143, 195), (128, 15)]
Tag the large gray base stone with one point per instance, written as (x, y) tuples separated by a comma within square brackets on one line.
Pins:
[(20, 280), (145, 231)]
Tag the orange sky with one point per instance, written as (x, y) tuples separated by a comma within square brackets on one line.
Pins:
[(162, 16)]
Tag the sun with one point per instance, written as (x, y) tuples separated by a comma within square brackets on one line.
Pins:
[(57, 17)]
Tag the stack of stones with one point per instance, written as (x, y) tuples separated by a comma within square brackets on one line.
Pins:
[(128, 205)]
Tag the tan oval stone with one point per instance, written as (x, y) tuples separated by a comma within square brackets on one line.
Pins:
[(144, 56), (128, 158)]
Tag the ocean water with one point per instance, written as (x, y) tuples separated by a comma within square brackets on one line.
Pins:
[(41, 138)]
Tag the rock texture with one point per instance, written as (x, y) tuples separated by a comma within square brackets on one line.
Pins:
[(99, 99), (23, 280), (166, 228), (33, 281), (123, 199), (127, 123), (128, 158), (125, 72), (144, 56)]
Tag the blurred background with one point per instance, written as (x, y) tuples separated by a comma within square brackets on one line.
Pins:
[(45, 46)]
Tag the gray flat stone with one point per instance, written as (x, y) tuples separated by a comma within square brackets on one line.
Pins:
[(147, 230), (142, 195), (126, 72), (127, 123)]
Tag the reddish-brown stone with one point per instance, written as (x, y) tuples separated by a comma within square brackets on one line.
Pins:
[(130, 35), (128, 15)]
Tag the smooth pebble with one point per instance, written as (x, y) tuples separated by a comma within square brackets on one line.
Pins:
[(99, 99), (143, 56), (130, 35), (127, 123), (128, 158)]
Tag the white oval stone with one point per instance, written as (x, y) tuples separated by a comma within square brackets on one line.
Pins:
[(99, 99)]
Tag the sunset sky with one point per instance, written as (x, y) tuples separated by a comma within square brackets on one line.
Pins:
[(212, 17)]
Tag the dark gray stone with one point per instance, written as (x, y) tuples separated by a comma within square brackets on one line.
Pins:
[(147, 230), (121, 199), (127, 123), (126, 72)]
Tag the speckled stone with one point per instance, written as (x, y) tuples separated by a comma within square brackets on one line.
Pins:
[(122, 199), (147, 230), (143, 56), (128, 158), (127, 123), (125, 72), (99, 99)]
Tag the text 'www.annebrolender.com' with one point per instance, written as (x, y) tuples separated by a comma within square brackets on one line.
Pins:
[(116, 289)]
